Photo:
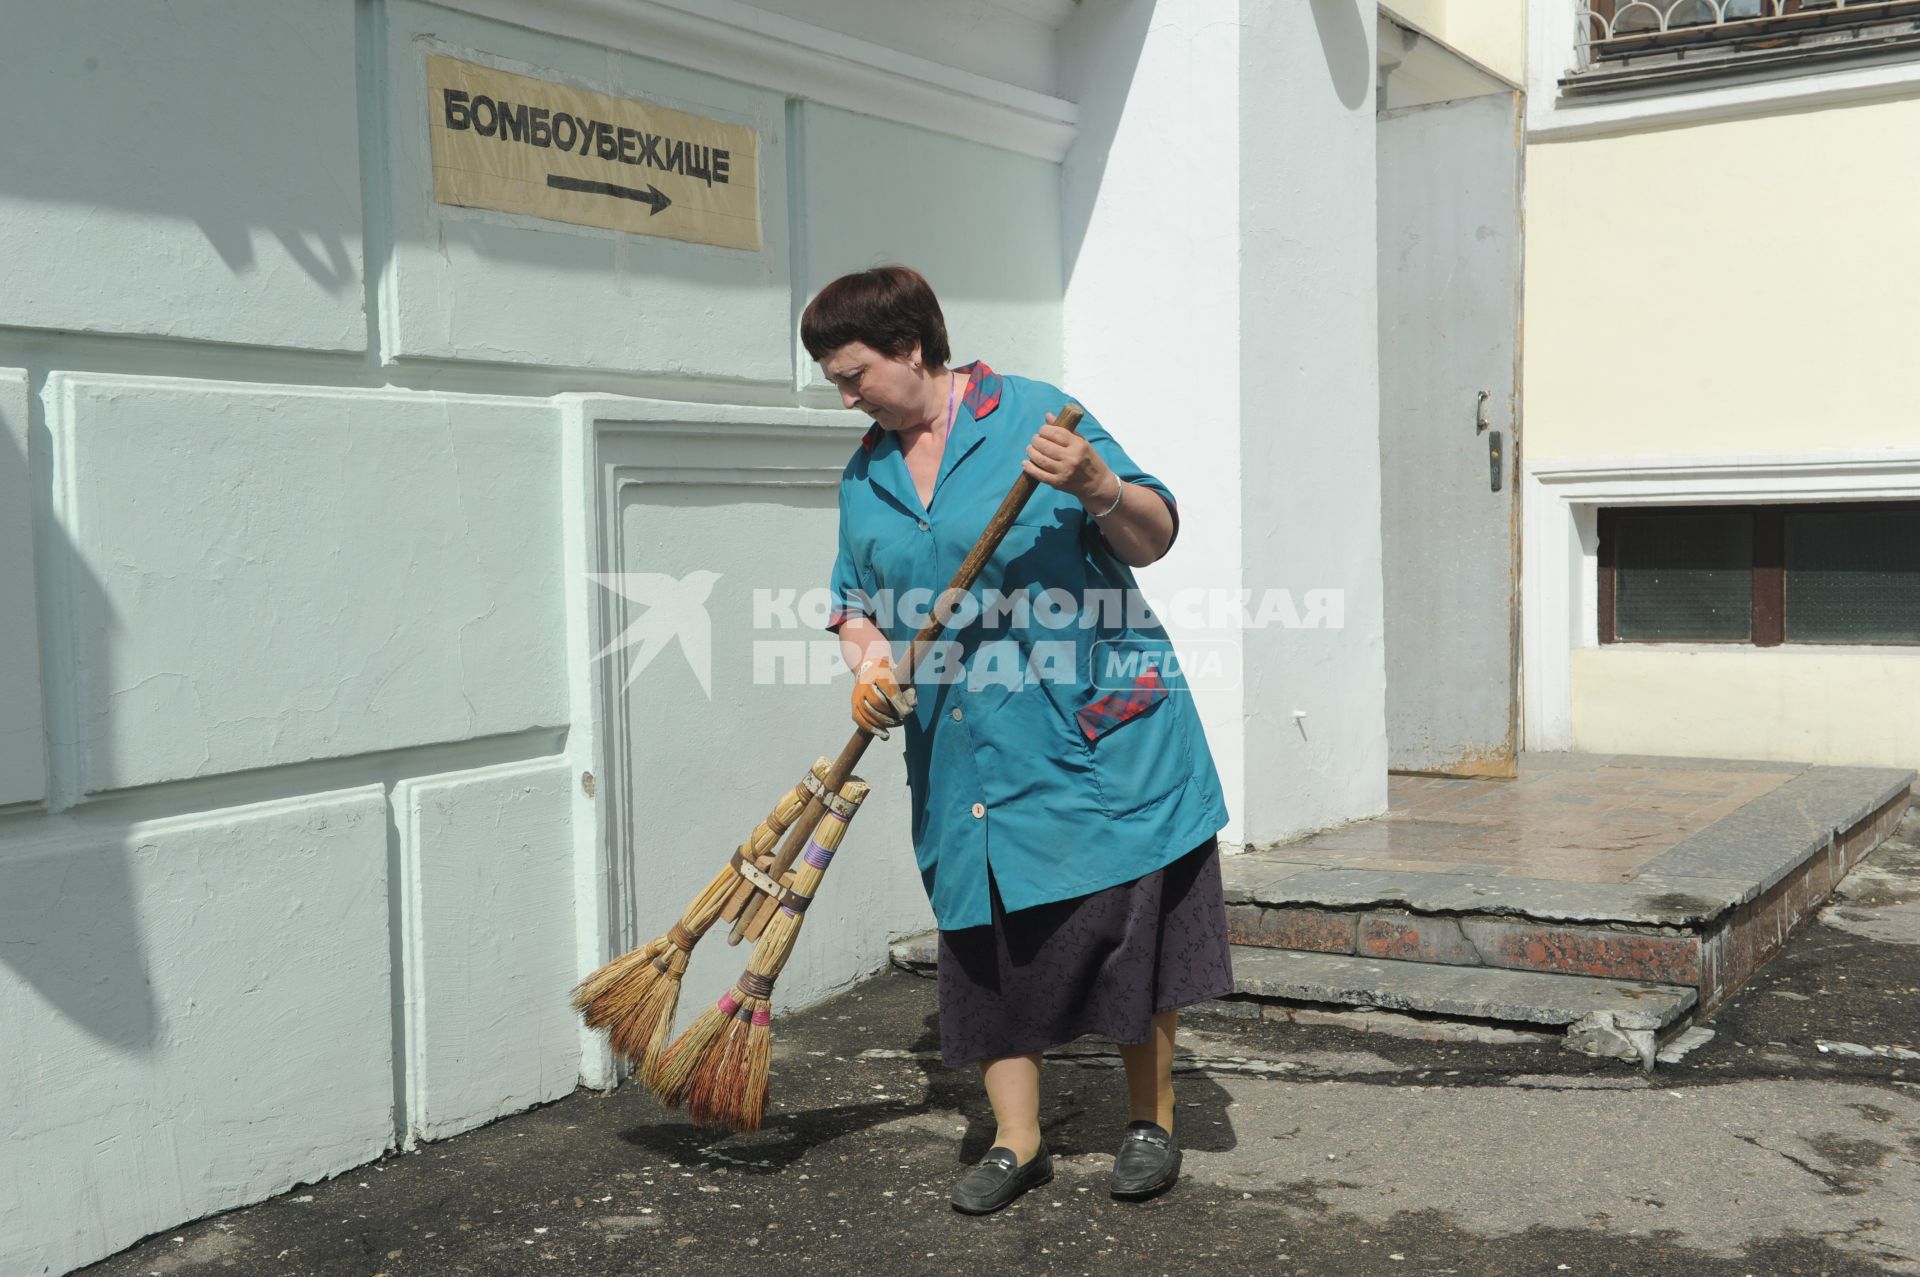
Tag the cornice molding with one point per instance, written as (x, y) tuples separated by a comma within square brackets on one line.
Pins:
[(739, 42)]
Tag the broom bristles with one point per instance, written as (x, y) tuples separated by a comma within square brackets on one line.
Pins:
[(639, 1033), (753, 1083), (670, 1078), (724, 1082), (720, 1067), (634, 997), (591, 995), (718, 1092)]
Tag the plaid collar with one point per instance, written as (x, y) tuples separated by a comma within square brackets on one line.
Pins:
[(983, 388), (982, 397)]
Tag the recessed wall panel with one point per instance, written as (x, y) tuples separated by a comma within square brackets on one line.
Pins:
[(198, 1016), (488, 898), (266, 576)]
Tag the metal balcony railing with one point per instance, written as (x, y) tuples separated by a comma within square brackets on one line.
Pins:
[(1639, 41)]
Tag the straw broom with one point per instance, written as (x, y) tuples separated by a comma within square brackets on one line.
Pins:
[(718, 1068), (634, 997)]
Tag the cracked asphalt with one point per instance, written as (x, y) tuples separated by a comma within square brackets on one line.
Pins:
[(1311, 1149)]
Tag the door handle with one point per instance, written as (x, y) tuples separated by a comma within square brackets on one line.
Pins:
[(1480, 418)]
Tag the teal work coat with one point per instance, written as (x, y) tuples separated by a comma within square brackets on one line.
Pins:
[(1056, 747)]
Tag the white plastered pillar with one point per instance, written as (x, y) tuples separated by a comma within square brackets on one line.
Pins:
[(1221, 318)]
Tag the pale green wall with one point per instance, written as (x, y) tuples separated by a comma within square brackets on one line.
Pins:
[(292, 865), (981, 224)]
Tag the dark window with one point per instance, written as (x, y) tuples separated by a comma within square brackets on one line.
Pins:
[(1761, 574), (1853, 578), (1683, 576)]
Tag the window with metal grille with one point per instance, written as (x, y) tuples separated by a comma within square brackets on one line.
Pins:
[(1644, 43), (1761, 575)]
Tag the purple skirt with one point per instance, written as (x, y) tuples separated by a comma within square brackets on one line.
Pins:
[(1104, 963)]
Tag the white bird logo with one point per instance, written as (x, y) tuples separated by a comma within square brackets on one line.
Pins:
[(668, 608)]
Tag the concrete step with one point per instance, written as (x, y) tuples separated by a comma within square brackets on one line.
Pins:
[(1659, 955), (1625, 1019), (917, 953), (1472, 993)]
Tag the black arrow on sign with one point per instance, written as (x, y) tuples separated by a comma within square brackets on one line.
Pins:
[(653, 196)]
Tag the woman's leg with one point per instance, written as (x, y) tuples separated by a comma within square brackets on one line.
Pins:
[(1013, 1088), (1150, 1073)]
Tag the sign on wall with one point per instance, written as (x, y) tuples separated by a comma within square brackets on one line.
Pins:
[(520, 145)]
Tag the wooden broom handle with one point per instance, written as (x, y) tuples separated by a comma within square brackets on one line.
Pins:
[(1016, 499)]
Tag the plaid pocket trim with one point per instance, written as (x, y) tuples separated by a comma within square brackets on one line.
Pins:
[(1102, 716)]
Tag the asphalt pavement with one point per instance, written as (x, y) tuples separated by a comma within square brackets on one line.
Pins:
[(1788, 1144)]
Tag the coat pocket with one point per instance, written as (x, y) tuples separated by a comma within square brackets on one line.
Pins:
[(1139, 743), (1099, 717)]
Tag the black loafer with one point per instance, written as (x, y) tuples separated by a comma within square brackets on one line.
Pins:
[(1148, 1162), (998, 1179)]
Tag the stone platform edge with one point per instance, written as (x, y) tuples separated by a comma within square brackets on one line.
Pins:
[(1729, 864)]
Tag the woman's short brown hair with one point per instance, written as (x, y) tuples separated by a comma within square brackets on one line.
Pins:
[(888, 308)]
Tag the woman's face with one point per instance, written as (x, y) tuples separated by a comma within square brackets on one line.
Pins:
[(887, 388)]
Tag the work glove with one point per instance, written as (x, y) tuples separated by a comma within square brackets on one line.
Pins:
[(878, 702)]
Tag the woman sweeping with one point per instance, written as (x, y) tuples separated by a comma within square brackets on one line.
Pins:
[(1064, 800)]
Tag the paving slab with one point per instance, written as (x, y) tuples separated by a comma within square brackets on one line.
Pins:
[(1478, 993), (1765, 839), (1623, 839)]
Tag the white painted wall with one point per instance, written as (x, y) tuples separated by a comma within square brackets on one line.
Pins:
[(197, 1016), (23, 764), (1225, 172), (194, 196), (1007, 40), (941, 194), (298, 853), (1310, 412), (1151, 204)]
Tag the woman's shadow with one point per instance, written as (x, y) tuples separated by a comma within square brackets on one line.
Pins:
[(1083, 1109)]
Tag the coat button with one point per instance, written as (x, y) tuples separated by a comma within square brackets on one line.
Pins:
[(924, 525), (958, 714), (979, 810)]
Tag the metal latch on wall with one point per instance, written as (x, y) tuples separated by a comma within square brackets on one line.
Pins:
[(1481, 420)]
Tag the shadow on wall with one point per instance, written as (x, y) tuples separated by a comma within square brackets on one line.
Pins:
[(1102, 56), (1343, 42), (136, 91), (1101, 71), (69, 931)]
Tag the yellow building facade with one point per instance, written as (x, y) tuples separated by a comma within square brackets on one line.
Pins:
[(1720, 313)]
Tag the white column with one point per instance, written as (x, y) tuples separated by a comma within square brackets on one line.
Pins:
[(1220, 319), (1151, 213)]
